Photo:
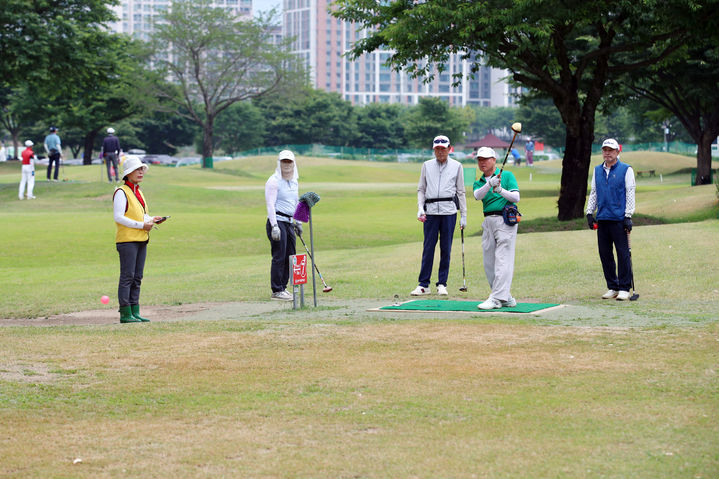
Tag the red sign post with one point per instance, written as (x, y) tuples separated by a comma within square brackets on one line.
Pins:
[(298, 263)]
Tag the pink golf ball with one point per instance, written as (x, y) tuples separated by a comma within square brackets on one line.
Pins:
[(105, 299)]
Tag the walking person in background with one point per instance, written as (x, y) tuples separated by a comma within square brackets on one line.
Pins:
[(529, 150), (498, 237), (3, 151), (133, 225), (281, 198), (612, 197), (53, 148), (110, 154), (28, 172), (440, 194)]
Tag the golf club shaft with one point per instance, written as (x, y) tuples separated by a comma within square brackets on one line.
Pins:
[(313, 261), (507, 155), (464, 275)]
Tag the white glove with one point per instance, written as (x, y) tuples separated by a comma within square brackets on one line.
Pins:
[(420, 213), (494, 181), (276, 235), (463, 221)]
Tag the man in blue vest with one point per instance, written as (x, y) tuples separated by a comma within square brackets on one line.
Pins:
[(612, 196)]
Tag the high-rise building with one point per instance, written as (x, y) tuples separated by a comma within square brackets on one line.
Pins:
[(136, 17), (321, 40)]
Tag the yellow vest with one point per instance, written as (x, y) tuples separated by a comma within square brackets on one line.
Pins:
[(134, 211)]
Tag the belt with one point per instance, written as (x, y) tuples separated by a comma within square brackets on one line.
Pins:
[(283, 214), (492, 213)]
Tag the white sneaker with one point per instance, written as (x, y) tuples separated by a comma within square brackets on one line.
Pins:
[(442, 290), (30, 197), (609, 294), (420, 291), (281, 296), (623, 296), (510, 303), (490, 303)]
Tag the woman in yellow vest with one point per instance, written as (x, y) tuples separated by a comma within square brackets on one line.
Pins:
[(133, 233)]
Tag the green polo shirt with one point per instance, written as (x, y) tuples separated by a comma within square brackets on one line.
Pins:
[(494, 201)]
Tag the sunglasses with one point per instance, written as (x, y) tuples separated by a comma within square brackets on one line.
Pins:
[(441, 142)]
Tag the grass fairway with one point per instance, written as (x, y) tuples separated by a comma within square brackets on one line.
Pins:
[(225, 383)]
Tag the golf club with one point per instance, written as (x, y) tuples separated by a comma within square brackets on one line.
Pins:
[(634, 295), (464, 276), (326, 289), (516, 128)]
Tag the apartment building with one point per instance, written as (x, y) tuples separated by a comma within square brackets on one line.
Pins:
[(322, 41)]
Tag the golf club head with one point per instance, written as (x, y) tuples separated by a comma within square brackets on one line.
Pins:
[(634, 297), (517, 127), (326, 289), (463, 289)]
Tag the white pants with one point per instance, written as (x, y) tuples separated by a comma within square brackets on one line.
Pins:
[(28, 178), (498, 242)]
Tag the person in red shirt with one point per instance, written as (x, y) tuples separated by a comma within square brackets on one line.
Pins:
[(28, 172)]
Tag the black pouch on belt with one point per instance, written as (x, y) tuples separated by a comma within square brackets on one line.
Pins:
[(511, 215)]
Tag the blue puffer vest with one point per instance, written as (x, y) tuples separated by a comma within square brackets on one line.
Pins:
[(611, 191)]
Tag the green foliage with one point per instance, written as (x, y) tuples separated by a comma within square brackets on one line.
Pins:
[(379, 126), (240, 127), (487, 119), (161, 133), (541, 120), (432, 117)]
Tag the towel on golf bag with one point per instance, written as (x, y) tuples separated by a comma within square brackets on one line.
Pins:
[(302, 212)]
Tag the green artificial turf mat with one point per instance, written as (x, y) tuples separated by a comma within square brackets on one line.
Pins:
[(449, 305)]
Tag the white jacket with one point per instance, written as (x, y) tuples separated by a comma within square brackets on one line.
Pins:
[(441, 181)]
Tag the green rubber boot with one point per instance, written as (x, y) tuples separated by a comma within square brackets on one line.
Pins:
[(126, 315), (135, 308)]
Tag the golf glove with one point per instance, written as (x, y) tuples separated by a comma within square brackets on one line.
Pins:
[(494, 181), (298, 228), (627, 224), (420, 213), (276, 235), (462, 221), (590, 221)]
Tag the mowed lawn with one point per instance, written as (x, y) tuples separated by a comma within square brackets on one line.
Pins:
[(327, 393)]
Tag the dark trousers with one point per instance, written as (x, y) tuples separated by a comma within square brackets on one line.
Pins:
[(281, 252), (132, 264), (611, 235), (441, 226), (111, 159), (53, 157)]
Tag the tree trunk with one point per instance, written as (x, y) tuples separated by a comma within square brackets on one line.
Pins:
[(575, 171), (207, 141), (704, 158), (89, 142)]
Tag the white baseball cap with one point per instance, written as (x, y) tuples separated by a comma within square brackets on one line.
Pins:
[(440, 141), (610, 143), (28, 143), (131, 163), (286, 155), (111, 130), (486, 152)]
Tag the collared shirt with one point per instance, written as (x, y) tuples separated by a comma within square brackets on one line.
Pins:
[(442, 180), (52, 142)]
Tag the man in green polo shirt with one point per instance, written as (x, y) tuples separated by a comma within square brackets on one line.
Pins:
[(498, 238)]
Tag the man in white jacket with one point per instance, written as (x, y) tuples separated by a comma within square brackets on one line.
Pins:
[(440, 194)]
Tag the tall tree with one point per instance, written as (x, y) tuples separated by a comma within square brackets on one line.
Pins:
[(216, 60), (689, 89), (379, 126), (570, 51)]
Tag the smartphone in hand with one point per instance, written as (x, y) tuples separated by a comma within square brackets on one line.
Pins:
[(161, 220)]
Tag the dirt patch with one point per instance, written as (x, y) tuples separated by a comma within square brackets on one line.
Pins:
[(27, 373)]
